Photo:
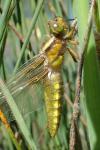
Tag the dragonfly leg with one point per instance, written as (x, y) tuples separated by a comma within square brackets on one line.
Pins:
[(72, 31), (74, 54), (73, 42), (70, 34)]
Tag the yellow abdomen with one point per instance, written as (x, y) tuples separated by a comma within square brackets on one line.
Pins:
[(53, 91)]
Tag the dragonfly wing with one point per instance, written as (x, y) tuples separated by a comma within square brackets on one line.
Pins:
[(24, 86), (31, 72), (29, 101)]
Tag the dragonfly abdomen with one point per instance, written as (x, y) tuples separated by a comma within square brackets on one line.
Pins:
[(53, 99)]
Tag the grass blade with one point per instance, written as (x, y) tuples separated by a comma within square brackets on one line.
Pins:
[(7, 126), (4, 16), (18, 116), (91, 77), (29, 33)]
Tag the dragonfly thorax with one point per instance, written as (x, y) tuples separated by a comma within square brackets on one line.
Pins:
[(55, 54)]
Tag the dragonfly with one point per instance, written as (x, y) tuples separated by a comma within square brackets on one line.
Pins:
[(46, 68)]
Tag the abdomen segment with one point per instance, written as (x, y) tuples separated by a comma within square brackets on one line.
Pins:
[(53, 91)]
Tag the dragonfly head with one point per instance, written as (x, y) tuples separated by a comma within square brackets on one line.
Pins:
[(58, 26)]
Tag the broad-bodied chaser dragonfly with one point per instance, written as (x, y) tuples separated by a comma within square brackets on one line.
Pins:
[(46, 67)]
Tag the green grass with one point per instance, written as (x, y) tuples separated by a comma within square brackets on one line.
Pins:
[(30, 20)]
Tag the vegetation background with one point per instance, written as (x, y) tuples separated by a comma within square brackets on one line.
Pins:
[(23, 24)]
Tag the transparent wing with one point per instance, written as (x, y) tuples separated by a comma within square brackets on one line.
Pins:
[(25, 88), (29, 101)]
